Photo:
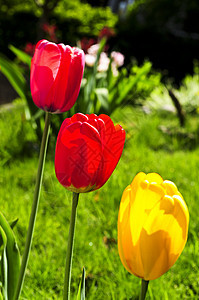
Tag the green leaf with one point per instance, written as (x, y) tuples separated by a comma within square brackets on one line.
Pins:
[(14, 74), (101, 48), (1, 297), (13, 223), (132, 81), (12, 255), (92, 78), (102, 97), (24, 57), (81, 291), (4, 265), (38, 114)]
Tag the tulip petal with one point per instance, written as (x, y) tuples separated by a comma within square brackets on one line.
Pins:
[(154, 177), (171, 188), (181, 214), (140, 177), (154, 253), (62, 78), (92, 116), (44, 68), (101, 130), (90, 131), (124, 234), (65, 124), (77, 157), (76, 70), (99, 125), (112, 148), (163, 236), (143, 200), (79, 117)]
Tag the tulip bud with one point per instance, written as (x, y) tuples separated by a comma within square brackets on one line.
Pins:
[(152, 226), (87, 151), (56, 74)]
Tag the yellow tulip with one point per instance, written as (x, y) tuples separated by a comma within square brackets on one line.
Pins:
[(152, 226)]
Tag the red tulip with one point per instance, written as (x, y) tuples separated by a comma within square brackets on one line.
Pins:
[(56, 74), (87, 151)]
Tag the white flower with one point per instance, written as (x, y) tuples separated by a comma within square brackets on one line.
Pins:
[(93, 49), (114, 69), (103, 62), (90, 60), (118, 58)]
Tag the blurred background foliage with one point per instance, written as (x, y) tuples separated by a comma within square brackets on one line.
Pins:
[(73, 20), (165, 32)]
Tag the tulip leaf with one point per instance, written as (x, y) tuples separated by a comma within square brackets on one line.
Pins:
[(38, 114), (92, 81), (12, 256), (127, 85), (132, 82), (13, 223), (101, 48), (81, 291), (102, 97), (14, 75), (4, 265), (24, 57)]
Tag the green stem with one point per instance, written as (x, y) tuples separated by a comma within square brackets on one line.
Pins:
[(69, 254), (42, 157), (144, 288)]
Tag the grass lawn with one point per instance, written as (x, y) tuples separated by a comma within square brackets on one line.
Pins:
[(174, 155)]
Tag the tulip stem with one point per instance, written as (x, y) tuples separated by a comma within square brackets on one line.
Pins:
[(144, 288), (35, 204), (69, 253)]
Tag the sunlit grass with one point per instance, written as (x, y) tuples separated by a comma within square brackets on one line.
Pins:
[(147, 149)]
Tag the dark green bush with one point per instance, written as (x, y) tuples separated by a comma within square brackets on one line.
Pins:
[(75, 19), (20, 24), (164, 31)]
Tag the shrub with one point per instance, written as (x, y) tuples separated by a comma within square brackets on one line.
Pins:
[(165, 32)]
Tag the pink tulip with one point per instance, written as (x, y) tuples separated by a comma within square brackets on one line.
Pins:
[(90, 60), (118, 58), (93, 49), (103, 62)]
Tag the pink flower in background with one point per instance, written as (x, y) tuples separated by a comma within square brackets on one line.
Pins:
[(106, 32), (103, 62), (29, 48), (118, 58), (91, 57), (51, 31), (114, 69), (90, 60), (86, 43), (93, 49)]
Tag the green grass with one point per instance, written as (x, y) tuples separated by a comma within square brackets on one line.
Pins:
[(175, 156)]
